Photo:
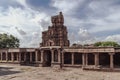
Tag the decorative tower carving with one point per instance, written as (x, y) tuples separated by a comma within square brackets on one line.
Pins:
[(56, 35)]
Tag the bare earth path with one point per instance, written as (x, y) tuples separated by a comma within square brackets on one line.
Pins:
[(16, 72)]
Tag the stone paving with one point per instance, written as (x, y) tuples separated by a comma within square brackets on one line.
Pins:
[(16, 72)]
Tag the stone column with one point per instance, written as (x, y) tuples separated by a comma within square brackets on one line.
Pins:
[(42, 52), (17, 56), (36, 56), (1, 56), (72, 58), (63, 57), (96, 59), (30, 56), (52, 52), (111, 60), (83, 59), (12, 56), (6, 56), (86, 57)]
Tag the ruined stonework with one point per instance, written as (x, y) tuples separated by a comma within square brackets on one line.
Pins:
[(52, 54), (56, 35)]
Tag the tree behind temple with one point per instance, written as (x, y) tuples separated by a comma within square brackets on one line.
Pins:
[(107, 44), (8, 41)]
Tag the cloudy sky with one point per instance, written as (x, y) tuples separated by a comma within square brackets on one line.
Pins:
[(87, 21)]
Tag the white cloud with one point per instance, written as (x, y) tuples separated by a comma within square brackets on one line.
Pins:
[(115, 38), (85, 37), (26, 21), (88, 14)]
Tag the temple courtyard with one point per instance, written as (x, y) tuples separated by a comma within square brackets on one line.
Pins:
[(16, 72)]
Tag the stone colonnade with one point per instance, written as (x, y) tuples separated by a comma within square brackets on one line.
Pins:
[(85, 59), (17, 57), (57, 57)]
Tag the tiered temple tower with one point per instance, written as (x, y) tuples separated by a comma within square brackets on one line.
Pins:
[(56, 35)]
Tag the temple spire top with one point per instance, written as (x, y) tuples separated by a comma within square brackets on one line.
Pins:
[(57, 20)]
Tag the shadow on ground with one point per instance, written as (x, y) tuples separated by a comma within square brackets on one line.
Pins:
[(7, 71)]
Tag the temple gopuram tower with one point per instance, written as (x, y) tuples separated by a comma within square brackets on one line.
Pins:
[(56, 35)]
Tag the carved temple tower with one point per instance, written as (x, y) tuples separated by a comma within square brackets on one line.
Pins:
[(56, 35)]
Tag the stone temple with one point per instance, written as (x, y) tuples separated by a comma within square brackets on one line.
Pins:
[(56, 35), (55, 51)]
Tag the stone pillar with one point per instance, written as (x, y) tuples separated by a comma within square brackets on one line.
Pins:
[(96, 59), (6, 56), (36, 56), (17, 56), (30, 56), (12, 56), (86, 57), (83, 59), (52, 52), (42, 52), (111, 60), (72, 58), (1, 56), (63, 57)]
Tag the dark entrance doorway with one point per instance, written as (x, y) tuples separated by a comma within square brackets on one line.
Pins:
[(117, 60), (27, 58), (67, 58), (47, 58), (104, 60), (91, 59), (77, 58)]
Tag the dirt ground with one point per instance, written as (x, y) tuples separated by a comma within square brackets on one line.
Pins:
[(16, 72)]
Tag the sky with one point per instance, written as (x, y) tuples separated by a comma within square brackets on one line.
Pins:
[(87, 21)]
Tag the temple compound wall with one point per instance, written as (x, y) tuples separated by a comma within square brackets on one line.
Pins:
[(54, 51), (94, 57)]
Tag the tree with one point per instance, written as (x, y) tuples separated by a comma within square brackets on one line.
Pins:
[(76, 45), (8, 41), (107, 44)]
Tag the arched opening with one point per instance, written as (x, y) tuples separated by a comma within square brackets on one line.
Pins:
[(55, 56), (50, 43)]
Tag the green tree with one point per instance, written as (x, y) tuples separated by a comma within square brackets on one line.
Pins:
[(8, 41), (107, 43)]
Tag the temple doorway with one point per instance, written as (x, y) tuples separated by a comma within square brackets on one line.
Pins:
[(47, 58)]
